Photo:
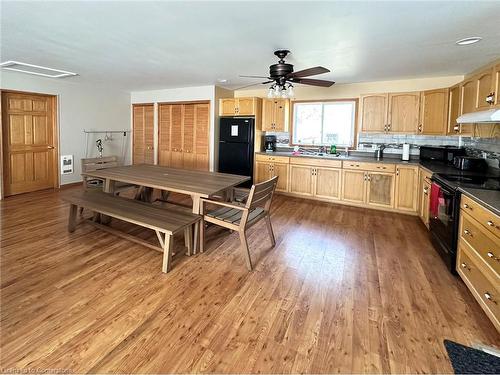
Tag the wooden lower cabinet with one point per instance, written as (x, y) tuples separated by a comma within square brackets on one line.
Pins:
[(406, 188), (328, 183), (380, 189), (424, 191), (353, 186), (301, 179), (266, 170)]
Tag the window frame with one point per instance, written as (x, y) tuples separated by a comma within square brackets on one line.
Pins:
[(355, 125)]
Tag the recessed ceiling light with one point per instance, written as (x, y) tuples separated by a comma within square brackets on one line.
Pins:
[(37, 70), (221, 80), (467, 41)]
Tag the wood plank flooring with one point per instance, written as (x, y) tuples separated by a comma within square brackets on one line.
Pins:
[(344, 290)]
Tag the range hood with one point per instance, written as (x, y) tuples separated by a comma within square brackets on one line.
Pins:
[(489, 116)]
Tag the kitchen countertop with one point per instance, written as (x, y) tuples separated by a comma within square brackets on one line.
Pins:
[(489, 199)]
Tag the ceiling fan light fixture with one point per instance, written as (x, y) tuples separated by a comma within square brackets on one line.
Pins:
[(291, 92), (270, 93)]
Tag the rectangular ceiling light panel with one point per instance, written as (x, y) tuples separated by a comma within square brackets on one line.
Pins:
[(37, 70)]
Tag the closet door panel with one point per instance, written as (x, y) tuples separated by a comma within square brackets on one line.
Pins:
[(201, 146), (164, 121), (138, 136), (176, 135), (149, 152)]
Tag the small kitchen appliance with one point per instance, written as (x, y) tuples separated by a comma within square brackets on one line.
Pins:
[(270, 143), (469, 163), (444, 154)]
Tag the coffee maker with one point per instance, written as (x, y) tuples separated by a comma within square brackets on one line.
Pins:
[(270, 143)]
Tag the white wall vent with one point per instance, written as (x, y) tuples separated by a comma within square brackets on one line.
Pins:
[(37, 70)]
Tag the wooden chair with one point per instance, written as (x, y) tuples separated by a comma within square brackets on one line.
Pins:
[(239, 217)]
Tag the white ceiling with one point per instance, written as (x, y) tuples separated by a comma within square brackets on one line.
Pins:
[(152, 45)]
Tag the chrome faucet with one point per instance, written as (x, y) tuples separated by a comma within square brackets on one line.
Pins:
[(379, 152)]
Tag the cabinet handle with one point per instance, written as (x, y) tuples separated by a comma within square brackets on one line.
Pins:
[(490, 223), (464, 265), (385, 128), (467, 232), (389, 127), (397, 171), (488, 296), (364, 176), (492, 256), (420, 128), (467, 206)]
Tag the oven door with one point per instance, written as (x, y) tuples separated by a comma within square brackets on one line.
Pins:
[(442, 220)]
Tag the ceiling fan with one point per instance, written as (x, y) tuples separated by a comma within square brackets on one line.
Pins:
[(283, 77)]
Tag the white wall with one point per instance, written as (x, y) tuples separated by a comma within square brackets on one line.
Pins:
[(183, 94), (80, 106)]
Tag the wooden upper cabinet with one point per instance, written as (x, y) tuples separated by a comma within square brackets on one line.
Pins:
[(406, 188), (496, 85), (374, 108), (275, 113), (453, 109), (238, 106), (143, 137), (469, 96), (485, 87), (433, 112), (403, 112)]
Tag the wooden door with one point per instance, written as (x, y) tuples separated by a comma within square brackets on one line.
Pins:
[(202, 130), (176, 159), (29, 143), (406, 188), (143, 138), (188, 157), (380, 189), (434, 112), (281, 170), (262, 171), (301, 179), (327, 183), (374, 112), (280, 115), (404, 111), (468, 104), (227, 107), (245, 107), (353, 186), (164, 128), (453, 109), (268, 115), (484, 85)]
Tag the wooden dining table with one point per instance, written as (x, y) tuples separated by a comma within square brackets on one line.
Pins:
[(196, 184)]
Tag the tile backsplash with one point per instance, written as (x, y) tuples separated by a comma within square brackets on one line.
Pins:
[(475, 146)]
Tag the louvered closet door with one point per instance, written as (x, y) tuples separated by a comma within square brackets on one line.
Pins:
[(188, 136), (202, 125), (143, 148), (176, 135), (164, 122)]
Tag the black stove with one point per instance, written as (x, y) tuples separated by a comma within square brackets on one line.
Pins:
[(456, 181)]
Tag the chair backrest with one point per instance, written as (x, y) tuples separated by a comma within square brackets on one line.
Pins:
[(261, 194), (93, 164)]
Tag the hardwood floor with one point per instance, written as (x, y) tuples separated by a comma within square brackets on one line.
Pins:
[(344, 290)]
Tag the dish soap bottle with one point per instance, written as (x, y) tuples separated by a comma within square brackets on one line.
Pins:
[(333, 149)]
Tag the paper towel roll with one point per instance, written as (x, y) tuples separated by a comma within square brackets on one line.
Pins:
[(406, 152)]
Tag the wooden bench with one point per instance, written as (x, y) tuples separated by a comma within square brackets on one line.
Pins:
[(165, 222)]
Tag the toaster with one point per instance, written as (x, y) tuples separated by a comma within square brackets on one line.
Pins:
[(470, 163)]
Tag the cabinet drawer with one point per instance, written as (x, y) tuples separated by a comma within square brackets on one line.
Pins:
[(485, 244), (487, 218), (484, 289), (276, 159), (316, 162), (375, 167)]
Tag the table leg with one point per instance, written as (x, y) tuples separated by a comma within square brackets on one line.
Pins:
[(196, 210), (109, 187)]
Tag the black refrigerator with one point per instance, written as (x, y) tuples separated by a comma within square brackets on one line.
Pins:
[(236, 139)]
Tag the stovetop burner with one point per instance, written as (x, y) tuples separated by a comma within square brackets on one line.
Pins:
[(477, 182)]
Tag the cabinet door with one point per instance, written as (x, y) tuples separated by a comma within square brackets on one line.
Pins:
[(188, 158), (327, 183), (380, 189), (268, 115), (484, 85), (245, 106), (453, 109), (404, 109), (227, 107), (434, 112), (281, 115), (353, 186), (406, 188), (301, 179), (424, 202), (201, 141), (176, 157), (164, 120), (262, 172), (496, 85), (469, 96), (281, 170), (374, 112)]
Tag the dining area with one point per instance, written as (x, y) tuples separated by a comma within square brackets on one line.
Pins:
[(141, 195)]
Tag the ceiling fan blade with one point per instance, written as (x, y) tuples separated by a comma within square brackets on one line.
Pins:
[(312, 82), (309, 72), (253, 84), (254, 77)]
